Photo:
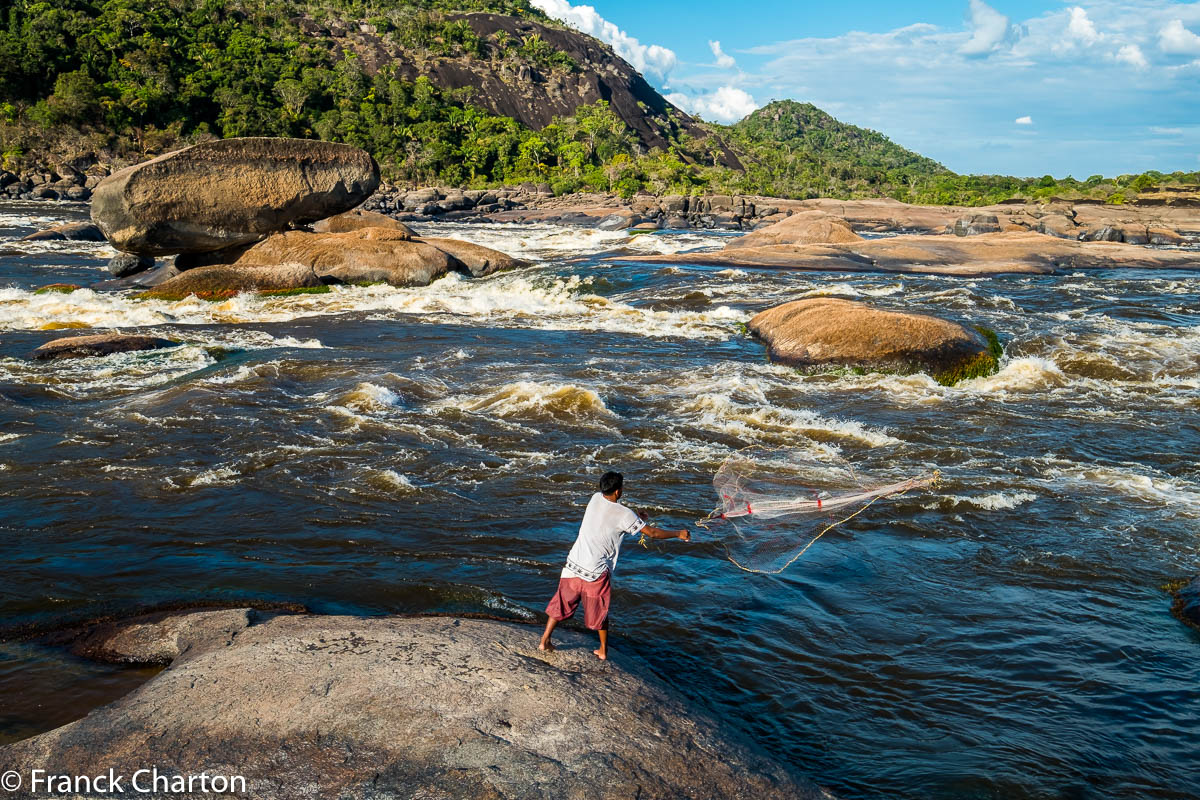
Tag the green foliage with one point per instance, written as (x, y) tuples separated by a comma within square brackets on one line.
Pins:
[(121, 80)]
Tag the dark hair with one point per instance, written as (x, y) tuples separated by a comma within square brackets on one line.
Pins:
[(611, 482)]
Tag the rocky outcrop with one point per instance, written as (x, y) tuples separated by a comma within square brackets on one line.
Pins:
[(230, 192), (359, 219), (985, 254), (101, 344), (806, 227), (225, 280), (975, 224), (305, 706), (367, 255), (825, 331), (474, 259)]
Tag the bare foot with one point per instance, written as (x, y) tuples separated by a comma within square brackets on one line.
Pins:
[(546, 645), (600, 654)]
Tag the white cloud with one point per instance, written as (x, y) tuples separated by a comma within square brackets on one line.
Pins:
[(1178, 40), (726, 104), (941, 90), (1081, 29), (644, 58), (989, 29), (1023, 120), (724, 60), (1160, 131), (1132, 54)]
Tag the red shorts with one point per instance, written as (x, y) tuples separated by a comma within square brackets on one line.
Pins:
[(594, 594)]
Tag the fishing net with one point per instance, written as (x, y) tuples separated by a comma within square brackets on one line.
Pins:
[(774, 505)]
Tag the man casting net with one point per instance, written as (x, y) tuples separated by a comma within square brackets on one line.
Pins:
[(774, 505)]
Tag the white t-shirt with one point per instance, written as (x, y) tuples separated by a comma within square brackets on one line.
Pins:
[(595, 551)]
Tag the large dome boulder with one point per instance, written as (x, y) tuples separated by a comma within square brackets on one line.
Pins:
[(229, 192), (356, 708), (825, 331), (805, 227)]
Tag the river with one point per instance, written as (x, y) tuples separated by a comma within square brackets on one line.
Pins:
[(378, 450)]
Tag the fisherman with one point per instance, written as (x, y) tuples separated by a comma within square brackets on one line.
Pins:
[(593, 557)]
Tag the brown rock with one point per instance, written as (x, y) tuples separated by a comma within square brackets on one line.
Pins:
[(1164, 236), (100, 344), (824, 331), (806, 227), (357, 219), (1058, 225), (229, 192), (225, 280), (474, 259), (306, 706)]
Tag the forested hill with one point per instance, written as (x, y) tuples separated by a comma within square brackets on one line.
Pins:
[(440, 91), (796, 147), (447, 92)]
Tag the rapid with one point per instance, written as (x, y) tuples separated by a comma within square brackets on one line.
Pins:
[(378, 450)]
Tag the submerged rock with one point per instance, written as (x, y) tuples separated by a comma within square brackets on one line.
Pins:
[(225, 280), (229, 192), (1187, 602), (71, 232), (357, 219), (826, 331), (348, 707), (806, 227), (101, 344)]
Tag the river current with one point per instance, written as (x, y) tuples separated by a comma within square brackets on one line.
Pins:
[(378, 450)]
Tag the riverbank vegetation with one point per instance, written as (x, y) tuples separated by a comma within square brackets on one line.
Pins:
[(83, 81)]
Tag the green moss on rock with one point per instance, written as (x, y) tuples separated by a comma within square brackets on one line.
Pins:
[(979, 366), (58, 288), (295, 291)]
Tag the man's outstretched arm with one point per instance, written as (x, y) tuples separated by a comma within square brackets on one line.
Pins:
[(658, 533)]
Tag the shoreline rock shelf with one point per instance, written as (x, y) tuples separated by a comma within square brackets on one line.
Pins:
[(983, 254), (399, 707)]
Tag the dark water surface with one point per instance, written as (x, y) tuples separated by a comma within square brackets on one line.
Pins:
[(378, 450)]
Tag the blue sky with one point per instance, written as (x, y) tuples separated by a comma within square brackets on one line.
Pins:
[(983, 86)]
